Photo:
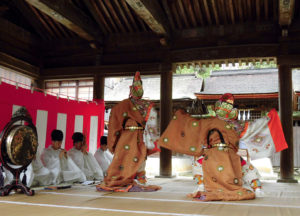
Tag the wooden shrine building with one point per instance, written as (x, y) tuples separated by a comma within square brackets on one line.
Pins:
[(68, 39)]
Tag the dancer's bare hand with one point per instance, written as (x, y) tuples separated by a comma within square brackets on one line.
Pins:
[(63, 153)]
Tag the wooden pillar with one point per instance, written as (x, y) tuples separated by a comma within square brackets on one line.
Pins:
[(99, 82), (286, 116), (166, 81), (39, 83)]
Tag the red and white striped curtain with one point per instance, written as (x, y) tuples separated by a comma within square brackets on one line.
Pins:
[(49, 112)]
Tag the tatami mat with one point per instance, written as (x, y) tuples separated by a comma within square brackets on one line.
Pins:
[(279, 199)]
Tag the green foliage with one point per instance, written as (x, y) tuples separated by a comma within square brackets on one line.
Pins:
[(185, 70), (205, 72), (257, 65), (202, 72)]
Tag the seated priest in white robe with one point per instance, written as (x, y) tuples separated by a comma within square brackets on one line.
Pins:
[(42, 176), (83, 159), (35, 174), (102, 155), (60, 165)]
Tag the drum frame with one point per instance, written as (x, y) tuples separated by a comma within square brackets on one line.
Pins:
[(16, 182)]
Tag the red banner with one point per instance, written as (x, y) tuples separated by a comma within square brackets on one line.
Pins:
[(54, 108)]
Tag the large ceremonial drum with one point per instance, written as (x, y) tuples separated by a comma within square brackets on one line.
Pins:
[(18, 147), (21, 145)]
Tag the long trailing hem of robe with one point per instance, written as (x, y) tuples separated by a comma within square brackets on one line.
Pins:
[(222, 174), (221, 167), (249, 174), (128, 148)]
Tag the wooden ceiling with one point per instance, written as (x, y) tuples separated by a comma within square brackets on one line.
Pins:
[(62, 34), (129, 16)]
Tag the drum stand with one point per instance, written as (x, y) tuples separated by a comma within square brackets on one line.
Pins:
[(16, 184)]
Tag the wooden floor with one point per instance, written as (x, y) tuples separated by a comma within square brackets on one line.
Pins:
[(279, 199)]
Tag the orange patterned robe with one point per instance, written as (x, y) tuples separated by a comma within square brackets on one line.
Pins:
[(125, 140), (221, 165)]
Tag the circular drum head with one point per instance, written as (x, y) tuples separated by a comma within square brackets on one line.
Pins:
[(21, 145)]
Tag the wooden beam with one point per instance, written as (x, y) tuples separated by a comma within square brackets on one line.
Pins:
[(40, 17), (97, 15), (19, 65), (225, 52), (115, 16), (207, 12), (87, 59), (198, 12), (168, 12), (249, 7), (66, 47), (257, 6), (266, 6), (240, 9), (30, 16), (64, 12), (152, 13), (189, 8), (107, 14), (143, 47), (239, 30), (223, 11), (125, 19), (215, 12), (18, 53), (275, 10), (103, 70), (124, 4), (52, 26), (286, 12), (292, 60), (19, 43), (231, 11), (176, 14), (17, 34), (76, 65), (62, 29)]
